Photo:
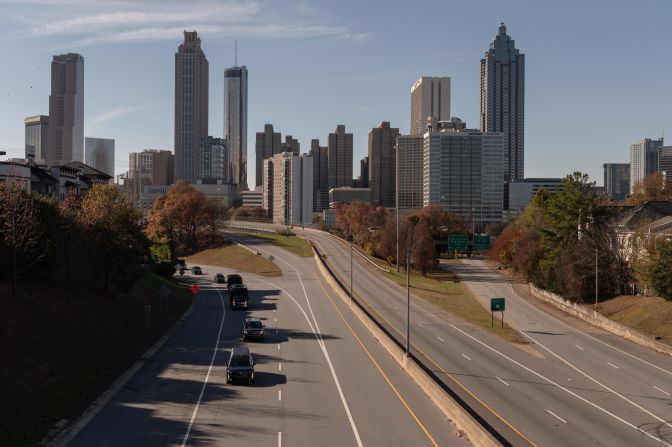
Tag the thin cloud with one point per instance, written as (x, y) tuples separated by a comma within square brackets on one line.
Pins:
[(114, 113)]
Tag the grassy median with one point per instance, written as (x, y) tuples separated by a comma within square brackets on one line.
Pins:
[(60, 351), (294, 244), (236, 258)]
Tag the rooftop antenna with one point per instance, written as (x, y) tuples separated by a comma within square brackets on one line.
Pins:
[(236, 58)]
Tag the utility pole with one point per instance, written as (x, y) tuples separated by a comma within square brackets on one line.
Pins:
[(596, 278), (408, 301), (396, 180), (350, 239)]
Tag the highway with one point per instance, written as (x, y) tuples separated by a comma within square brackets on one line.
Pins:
[(571, 385), (322, 379)]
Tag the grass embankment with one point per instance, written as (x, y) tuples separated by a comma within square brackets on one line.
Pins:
[(294, 244), (649, 315), (58, 354), (235, 257), (440, 289)]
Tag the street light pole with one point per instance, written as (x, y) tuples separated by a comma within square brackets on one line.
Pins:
[(596, 278), (408, 302), (396, 175), (350, 238)]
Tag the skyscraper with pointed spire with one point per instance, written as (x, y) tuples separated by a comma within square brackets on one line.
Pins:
[(503, 99), (235, 120)]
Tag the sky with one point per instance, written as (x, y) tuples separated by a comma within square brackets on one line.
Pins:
[(597, 73)]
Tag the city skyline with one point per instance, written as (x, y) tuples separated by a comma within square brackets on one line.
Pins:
[(377, 91)]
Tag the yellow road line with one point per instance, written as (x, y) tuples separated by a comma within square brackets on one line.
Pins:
[(380, 369)]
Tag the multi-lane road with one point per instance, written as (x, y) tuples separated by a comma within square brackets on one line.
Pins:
[(322, 379), (572, 384)]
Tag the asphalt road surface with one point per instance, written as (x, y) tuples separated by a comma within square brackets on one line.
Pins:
[(572, 384), (322, 380)]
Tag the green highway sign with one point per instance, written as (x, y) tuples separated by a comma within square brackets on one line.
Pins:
[(497, 304), (481, 243), (458, 242)]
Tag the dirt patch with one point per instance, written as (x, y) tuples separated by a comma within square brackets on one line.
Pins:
[(650, 315), (235, 257)]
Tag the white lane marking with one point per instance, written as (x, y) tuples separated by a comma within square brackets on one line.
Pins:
[(273, 310), (207, 376), (420, 324), (279, 366), (278, 346), (626, 353), (279, 394), (662, 391), (611, 364), (279, 439), (440, 339), (466, 357), (505, 383), (556, 416), (275, 320), (579, 347), (541, 376)]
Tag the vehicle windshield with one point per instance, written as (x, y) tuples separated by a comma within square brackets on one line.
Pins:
[(253, 324), (238, 291), (240, 360)]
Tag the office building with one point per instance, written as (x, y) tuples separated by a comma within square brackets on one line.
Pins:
[(252, 198), (340, 157), (235, 122), (267, 144), (409, 153), (430, 97), (643, 159), (521, 192), (320, 156), (503, 100), (617, 180), (99, 153), (382, 164), (363, 180), (37, 136), (66, 111), (287, 190), (463, 171), (150, 174), (191, 106), (215, 166), (665, 162), (347, 194)]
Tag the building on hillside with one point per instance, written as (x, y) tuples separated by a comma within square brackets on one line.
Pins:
[(340, 158), (409, 152), (463, 172), (37, 136), (99, 153), (643, 159), (430, 97), (76, 178), (617, 180), (382, 164), (288, 188)]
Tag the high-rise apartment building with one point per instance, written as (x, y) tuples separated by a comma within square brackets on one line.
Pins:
[(643, 159), (99, 153), (430, 97), (409, 153), (340, 157), (382, 164), (287, 190), (215, 166), (617, 180), (290, 145), (320, 156), (269, 143), (191, 106), (235, 122), (66, 111), (503, 100), (364, 168), (665, 162), (150, 174), (37, 136), (462, 172)]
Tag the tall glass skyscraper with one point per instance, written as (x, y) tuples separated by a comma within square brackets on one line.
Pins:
[(235, 122), (191, 106), (503, 99)]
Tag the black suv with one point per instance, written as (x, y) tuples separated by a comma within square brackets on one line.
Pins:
[(253, 328), (240, 367), (232, 280), (219, 278)]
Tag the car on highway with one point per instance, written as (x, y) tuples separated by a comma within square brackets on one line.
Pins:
[(232, 280), (196, 270), (253, 328), (240, 367), (219, 278), (238, 296)]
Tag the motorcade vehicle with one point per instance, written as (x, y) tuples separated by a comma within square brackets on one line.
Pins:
[(196, 270), (238, 296), (240, 367), (253, 328), (219, 278), (232, 280)]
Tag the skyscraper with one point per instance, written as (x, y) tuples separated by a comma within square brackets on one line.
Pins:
[(37, 136), (382, 164), (287, 189), (430, 96), (340, 158), (66, 110), (235, 121), (617, 180), (643, 159), (215, 165), (503, 99), (99, 153), (268, 143), (191, 106), (665, 162), (409, 151), (320, 156)]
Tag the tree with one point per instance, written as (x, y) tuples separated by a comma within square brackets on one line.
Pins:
[(424, 250), (652, 187), (658, 271)]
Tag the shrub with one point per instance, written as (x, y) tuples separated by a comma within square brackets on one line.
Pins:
[(164, 268)]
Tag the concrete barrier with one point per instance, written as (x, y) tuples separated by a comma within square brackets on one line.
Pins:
[(476, 434), (586, 313)]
